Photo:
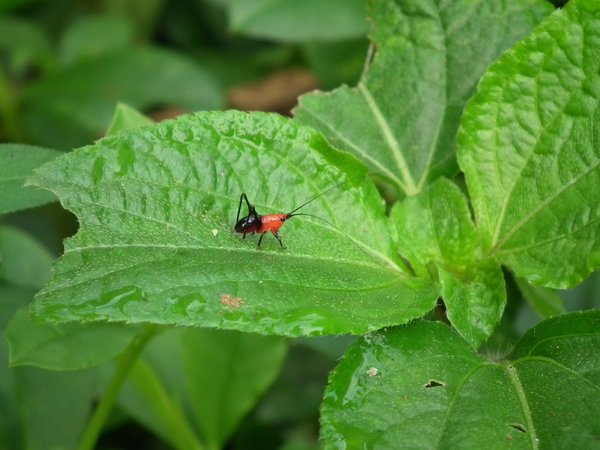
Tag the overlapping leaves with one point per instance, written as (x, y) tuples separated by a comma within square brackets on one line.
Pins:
[(529, 147), (390, 381), (402, 117), (157, 206), (162, 201)]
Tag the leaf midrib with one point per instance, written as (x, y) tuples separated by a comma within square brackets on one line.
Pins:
[(122, 183), (541, 206), (443, 108), (390, 139), (496, 241), (341, 261), (557, 338), (359, 150), (48, 289), (516, 382), (522, 399)]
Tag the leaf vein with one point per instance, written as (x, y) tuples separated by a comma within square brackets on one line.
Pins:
[(390, 139)]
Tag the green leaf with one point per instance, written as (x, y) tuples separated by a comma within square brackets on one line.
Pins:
[(54, 114), (529, 148), (545, 301), (70, 346), (438, 238), (224, 386), (475, 300), (39, 409), (94, 36), (564, 338), (301, 383), (293, 21), (584, 296), (422, 386), (436, 226), (127, 118), (157, 206), (25, 46), (336, 62), (402, 117), (217, 375), (144, 396), (24, 261), (11, 298), (17, 161), (54, 406)]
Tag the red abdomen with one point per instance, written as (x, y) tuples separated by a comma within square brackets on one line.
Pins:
[(272, 222)]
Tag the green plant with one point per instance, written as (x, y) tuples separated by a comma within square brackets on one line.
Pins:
[(492, 178)]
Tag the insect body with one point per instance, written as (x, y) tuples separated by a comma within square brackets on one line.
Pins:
[(255, 223)]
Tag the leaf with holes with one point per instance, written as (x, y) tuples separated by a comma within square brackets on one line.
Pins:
[(402, 117), (389, 381), (157, 206), (529, 147)]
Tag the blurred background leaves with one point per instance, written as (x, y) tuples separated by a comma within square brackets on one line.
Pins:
[(63, 67)]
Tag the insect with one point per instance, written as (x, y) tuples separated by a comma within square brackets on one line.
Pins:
[(255, 223)]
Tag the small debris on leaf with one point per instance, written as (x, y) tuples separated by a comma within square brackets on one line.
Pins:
[(231, 301), (372, 372)]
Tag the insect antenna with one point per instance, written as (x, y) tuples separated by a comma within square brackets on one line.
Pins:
[(291, 213), (337, 228)]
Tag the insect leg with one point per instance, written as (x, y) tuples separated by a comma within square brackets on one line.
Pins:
[(242, 197), (261, 236), (278, 238)]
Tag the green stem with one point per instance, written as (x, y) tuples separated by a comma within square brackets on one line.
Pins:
[(124, 365), (8, 112)]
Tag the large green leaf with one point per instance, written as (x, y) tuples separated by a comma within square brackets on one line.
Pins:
[(11, 298), (210, 378), (145, 397), (421, 386), (94, 36), (17, 161), (23, 260), (544, 301), (75, 105), (127, 118), (24, 45), (38, 409), (70, 346), (157, 207), (402, 117), (438, 238), (26, 263), (291, 20), (529, 149), (240, 372), (54, 406)]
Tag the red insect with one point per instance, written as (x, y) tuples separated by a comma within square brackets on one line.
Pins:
[(255, 223)]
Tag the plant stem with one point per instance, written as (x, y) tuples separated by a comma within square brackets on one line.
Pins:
[(124, 365), (8, 113)]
